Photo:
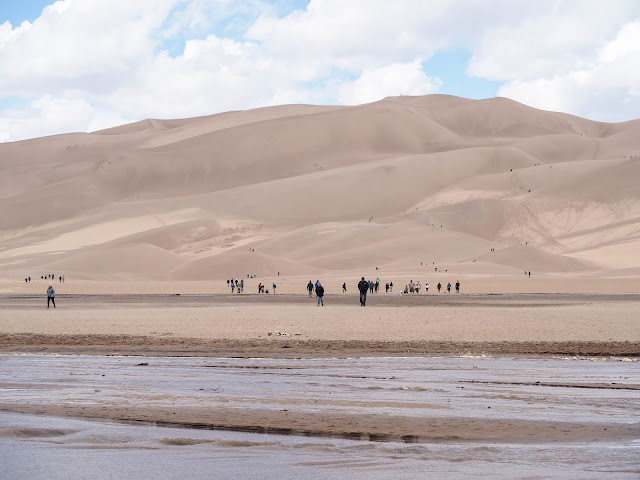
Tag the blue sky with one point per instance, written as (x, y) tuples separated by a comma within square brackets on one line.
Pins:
[(17, 11), (83, 65)]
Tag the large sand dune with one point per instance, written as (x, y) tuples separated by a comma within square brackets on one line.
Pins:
[(331, 192)]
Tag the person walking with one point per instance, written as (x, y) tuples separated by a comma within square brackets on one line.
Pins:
[(274, 288), (457, 286), (426, 287), (363, 287), (320, 294), (439, 287), (310, 288), (51, 294), (391, 287), (449, 287), (344, 287)]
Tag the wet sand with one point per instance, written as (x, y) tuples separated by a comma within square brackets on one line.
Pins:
[(381, 399), (294, 326)]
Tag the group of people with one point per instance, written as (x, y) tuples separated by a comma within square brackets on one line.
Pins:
[(48, 276), (369, 286), (236, 285), (412, 287)]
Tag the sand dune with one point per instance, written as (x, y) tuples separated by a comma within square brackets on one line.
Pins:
[(329, 191)]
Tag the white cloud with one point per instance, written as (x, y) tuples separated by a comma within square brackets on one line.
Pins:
[(392, 80), (606, 88), (47, 115), (93, 62)]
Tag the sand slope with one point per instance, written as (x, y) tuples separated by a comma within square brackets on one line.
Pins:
[(324, 190)]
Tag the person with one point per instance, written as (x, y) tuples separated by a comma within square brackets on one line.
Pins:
[(426, 287), (371, 286), (529, 273), (363, 287), (391, 287), (241, 286), (310, 288), (457, 286), (51, 293), (411, 286), (344, 287), (439, 287), (418, 288), (60, 278), (233, 286), (320, 294), (406, 289), (386, 287), (449, 287), (29, 278), (274, 288)]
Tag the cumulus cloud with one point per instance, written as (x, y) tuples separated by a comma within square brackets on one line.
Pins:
[(605, 88), (86, 64), (391, 80)]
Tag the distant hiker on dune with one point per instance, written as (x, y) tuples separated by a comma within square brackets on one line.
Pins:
[(439, 287), (344, 287), (51, 293), (363, 287), (449, 287), (310, 287), (457, 286)]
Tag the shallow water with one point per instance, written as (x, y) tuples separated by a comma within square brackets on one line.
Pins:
[(39, 446)]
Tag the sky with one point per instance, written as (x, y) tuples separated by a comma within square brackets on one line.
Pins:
[(84, 65)]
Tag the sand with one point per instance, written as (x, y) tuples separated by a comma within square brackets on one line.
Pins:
[(484, 189), (292, 326)]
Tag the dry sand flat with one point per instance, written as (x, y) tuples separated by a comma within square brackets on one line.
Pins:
[(186, 200), (293, 326)]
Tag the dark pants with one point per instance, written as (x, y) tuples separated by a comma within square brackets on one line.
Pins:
[(363, 298), (52, 301)]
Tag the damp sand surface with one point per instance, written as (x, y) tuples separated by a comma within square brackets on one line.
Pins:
[(321, 418)]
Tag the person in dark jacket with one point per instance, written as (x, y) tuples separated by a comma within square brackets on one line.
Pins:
[(320, 294), (51, 293), (310, 287), (363, 287)]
